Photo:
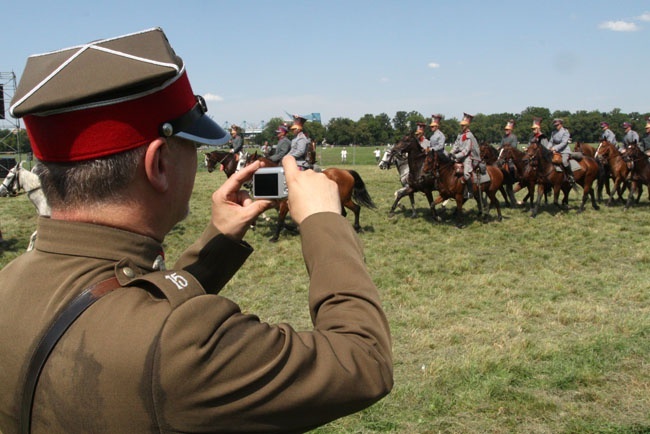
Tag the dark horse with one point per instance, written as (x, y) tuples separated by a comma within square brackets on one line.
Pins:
[(637, 160), (415, 181), (603, 174), (352, 192), (226, 160), (490, 155), (451, 186), (517, 163), (540, 160), (608, 156)]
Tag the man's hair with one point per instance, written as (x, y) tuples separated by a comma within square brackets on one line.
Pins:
[(102, 180)]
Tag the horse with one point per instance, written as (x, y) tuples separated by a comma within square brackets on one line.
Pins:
[(540, 160), (451, 186), (20, 178), (603, 173), (517, 163), (639, 167), (490, 155), (227, 161), (610, 158), (410, 146), (352, 192), (401, 164)]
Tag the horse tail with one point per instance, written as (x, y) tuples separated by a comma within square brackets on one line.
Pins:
[(360, 193)]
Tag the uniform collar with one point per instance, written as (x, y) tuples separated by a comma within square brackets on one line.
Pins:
[(97, 241)]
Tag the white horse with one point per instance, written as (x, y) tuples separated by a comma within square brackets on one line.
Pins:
[(20, 178), (401, 163)]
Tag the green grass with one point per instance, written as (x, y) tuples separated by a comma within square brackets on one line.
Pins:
[(526, 325)]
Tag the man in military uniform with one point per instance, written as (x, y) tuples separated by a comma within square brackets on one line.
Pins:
[(630, 136), (419, 134), (159, 350), (300, 142), (607, 134), (465, 150), (560, 143), (509, 138), (645, 141), (284, 144), (538, 136), (437, 139)]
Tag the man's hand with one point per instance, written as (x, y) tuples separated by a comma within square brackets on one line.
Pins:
[(233, 210), (309, 192)]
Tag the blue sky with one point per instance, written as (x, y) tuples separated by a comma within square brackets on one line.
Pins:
[(253, 60)]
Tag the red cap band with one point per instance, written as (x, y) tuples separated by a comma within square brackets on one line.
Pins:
[(101, 131)]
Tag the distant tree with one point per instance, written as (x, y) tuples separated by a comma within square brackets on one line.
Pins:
[(340, 131)]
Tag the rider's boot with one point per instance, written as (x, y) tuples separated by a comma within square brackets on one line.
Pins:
[(469, 188), (569, 175)]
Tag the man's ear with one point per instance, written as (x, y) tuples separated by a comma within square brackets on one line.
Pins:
[(156, 164)]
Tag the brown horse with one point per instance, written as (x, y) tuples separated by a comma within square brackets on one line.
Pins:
[(415, 180), (603, 174), (490, 155), (451, 186), (638, 163), (352, 192), (225, 160), (540, 161), (585, 149), (517, 163), (607, 154)]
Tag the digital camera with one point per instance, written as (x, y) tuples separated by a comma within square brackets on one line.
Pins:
[(269, 183)]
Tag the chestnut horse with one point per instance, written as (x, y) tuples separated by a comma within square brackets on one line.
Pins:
[(607, 154), (415, 181), (540, 161), (490, 155), (640, 168), (517, 163), (451, 186), (603, 174), (227, 161), (352, 192)]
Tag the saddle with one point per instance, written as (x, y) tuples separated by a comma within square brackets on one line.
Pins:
[(557, 158)]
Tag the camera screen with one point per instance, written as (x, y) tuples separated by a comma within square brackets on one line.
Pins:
[(266, 184)]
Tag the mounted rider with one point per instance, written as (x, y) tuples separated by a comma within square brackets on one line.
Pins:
[(466, 150), (237, 146), (560, 143), (284, 144), (300, 143), (644, 144), (422, 140), (607, 133), (509, 138), (538, 136), (437, 139), (631, 136)]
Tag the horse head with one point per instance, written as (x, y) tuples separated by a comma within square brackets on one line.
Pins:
[(9, 185), (387, 158)]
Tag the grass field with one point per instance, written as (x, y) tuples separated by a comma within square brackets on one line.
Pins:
[(526, 325)]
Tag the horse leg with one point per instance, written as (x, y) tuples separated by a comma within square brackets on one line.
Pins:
[(630, 197), (432, 205), (282, 214), (399, 195), (540, 193), (412, 200), (356, 209)]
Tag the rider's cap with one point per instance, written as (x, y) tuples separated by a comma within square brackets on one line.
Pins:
[(435, 120), (537, 123), (234, 127), (604, 124), (298, 122), (510, 124), (109, 96), (467, 119), (558, 121), (282, 129), (627, 125)]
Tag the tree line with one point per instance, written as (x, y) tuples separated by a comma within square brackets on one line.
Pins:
[(379, 130)]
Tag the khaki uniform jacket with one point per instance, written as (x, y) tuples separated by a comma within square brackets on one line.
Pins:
[(165, 353)]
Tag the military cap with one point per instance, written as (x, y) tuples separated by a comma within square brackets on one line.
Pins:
[(537, 123), (510, 124), (558, 121), (467, 119), (298, 122), (282, 129), (604, 124), (109, 96), (435, 120), (627, 125)]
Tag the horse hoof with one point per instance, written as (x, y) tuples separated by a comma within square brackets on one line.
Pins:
[(500, 218), (273, 240), (597, 208)]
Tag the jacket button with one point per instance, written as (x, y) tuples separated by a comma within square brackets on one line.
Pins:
[(128, 272)]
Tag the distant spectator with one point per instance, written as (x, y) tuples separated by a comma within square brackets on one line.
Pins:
[(344, 155)]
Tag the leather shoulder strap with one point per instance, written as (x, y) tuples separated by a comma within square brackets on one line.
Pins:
[(47, 343)]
